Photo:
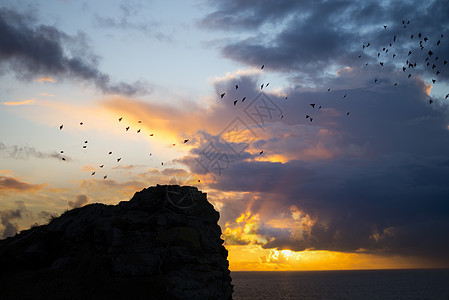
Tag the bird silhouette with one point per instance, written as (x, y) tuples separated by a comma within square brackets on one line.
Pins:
[(381, 63), (312, 104), (236, 86), (186, 140), (84, 147), (262, 67), (118, 159), (261, 87), (101, 166), (235, 102), (267, 84), (120, 119), (430, 101), (85, 142), (409, 75), (430, 53), (410, 52), (63, 158), (344, 96), (138, 131), (311, 119), (307, 116), (222, 95), (244, 98), (81, 123), (60, 127), (139, 121), (446, 96), (433, 80), (151, 134), (396, 84), (93, 173), (347, 113), (425, 39), (438, 42), (110, 152), (260, 153), (328, 89), (375, 79), (444, 62), (105, 176), (62, 151), (127, 128)]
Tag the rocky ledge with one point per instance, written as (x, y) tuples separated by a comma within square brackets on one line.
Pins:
[(162, 244)]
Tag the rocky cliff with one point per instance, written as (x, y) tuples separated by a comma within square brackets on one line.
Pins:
[(162, 244)]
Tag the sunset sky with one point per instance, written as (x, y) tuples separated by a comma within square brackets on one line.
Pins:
[(358, 180)]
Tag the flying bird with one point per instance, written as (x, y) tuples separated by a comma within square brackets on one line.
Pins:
[(127, 128), (328, 89), (311, 119), (110, 152), (425, 39), (344, 96), (244, 98), (151, 134), (312, 104), (385, 26), (235, 102), (447, 96), (262, 67), (84, 146), (375, 79), (267, 84), (260, 153), (307, 116), (60, 127), (430, 101), (381, 63), (139, 121), (261, 87), (138, 131), (409, 75), (236, 86), (410, 52), (186, 140), (118, 159), (120, 119), (63, 158), (347, 113), (62, 151), (438, 42), (396, 84), (430, 53), (222, 95), (445, 62), (93, 173), (101, 166), (433, 80), (81, 123), (105, 176)]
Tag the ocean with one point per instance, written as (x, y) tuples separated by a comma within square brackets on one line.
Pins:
[(362, 284)]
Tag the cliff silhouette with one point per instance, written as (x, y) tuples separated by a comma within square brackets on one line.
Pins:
[(164, 243)]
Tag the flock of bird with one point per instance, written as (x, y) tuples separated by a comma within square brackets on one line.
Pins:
[(385, 54)]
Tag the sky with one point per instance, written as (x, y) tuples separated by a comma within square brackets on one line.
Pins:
[(319, 129)]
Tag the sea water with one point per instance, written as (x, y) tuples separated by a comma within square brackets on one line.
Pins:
[(367, 284)]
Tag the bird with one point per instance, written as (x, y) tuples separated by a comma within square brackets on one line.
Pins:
[(151, 134), (347, 113), (235, 102), (127, 128), (120, 119), (101, 166), (282, 117), (262, 67), (394, 38), (81, 123), (430, 101), (419, 35), (430, 53), (60, 127), (394, 55), (267, 84), (260, 153), (236, 86), (319, 107), (433, 80), (307, 116), (396, 84), (410, 52), (105, 176), (381, 63), (409, 75), (63, 158), (425, 39), (367, 45), (244, 98), (186, 140), (311, 119), (438, 42), (411, 36), (286, 98), (118, 159), (85, 142), (446, 96), (110, 152), (385, 26), (261, 87), (62, 151), (328, 89), (84, 146), (403, 69), (139, 121), (93, 173), (444, 62), (222, 95), (375, 79), (344, 96), (438, 72), (162, 163), (138, 131), (312, 104)]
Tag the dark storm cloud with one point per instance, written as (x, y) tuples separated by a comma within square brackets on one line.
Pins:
[(375, 181), (6, 219), (307, 38), (26, 152), (31, 51)]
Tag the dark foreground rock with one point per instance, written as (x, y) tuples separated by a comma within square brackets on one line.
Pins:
[(162, 244)]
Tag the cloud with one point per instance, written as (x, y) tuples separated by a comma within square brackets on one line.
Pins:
[(25, 152), (45, 79), (8, 183), (6, 219), (79, 201), (16, 103), (29, 50)]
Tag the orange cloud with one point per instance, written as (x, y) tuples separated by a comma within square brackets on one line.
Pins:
[(16, 103), (45, 79), (11, 184)]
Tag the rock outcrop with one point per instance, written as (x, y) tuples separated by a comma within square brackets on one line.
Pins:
[(162, 244)]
